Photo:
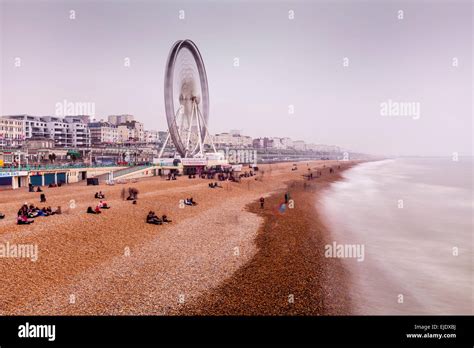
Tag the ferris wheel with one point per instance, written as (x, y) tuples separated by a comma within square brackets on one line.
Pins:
[(186, 100)]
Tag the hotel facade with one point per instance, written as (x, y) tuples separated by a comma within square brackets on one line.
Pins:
[(11, 132), (70, 131)]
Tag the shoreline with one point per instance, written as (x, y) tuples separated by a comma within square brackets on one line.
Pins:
[(289, 274)]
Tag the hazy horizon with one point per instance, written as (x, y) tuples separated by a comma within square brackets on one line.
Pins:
[(283, 62)]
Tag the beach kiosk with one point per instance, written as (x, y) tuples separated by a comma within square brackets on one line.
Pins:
[(168, 166), (193, 166)]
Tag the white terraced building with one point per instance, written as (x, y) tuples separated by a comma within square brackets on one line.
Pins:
[(66, 132), (33, 126), (229, 139), (12, 132)]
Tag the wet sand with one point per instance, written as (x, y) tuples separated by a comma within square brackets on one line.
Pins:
[(289, 275), (115, 263)]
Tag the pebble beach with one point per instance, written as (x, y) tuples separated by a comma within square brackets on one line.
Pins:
[(224, 256)]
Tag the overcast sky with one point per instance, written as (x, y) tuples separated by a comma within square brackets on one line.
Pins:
[(283, 62)]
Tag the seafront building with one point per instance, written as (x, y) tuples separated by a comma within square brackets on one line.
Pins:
[(233, 139), (12, 132), (124, 130), (131, 131), (299, 145), (40, 141), (103, 133), (263, 143), (33, 126), (66, 132), (69, 132), (119, 119), (152, 137)]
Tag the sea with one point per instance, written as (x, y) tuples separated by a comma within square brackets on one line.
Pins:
[(414, 219)]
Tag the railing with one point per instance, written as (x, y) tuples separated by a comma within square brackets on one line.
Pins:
[(52, 166), (125, 171)]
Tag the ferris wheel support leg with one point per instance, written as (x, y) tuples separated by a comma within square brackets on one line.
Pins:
[(201, 150), (207, 130), (180, 129), (190, 128), (164, 145)]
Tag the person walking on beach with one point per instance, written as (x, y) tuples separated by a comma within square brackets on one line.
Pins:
[(287, 196), (42, 198), (262, 202)]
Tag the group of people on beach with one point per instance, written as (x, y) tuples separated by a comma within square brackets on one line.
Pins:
[(97, 210), (153, 219), (171, 176), (227, 176), (189, 201), (317, 173), (214, 185), (101, 205), (55, 185), (26, 213), (246, 174), (31, 188)]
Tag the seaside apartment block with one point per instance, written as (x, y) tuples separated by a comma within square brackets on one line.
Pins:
[(67, 132), (11, 132), (131, 131), (103, 133), (232, 139)]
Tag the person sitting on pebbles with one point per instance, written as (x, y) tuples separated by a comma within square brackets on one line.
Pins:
[(23, 220), (151, 218), (103, 205), (92, 211), (42, 212), (189, 201)]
